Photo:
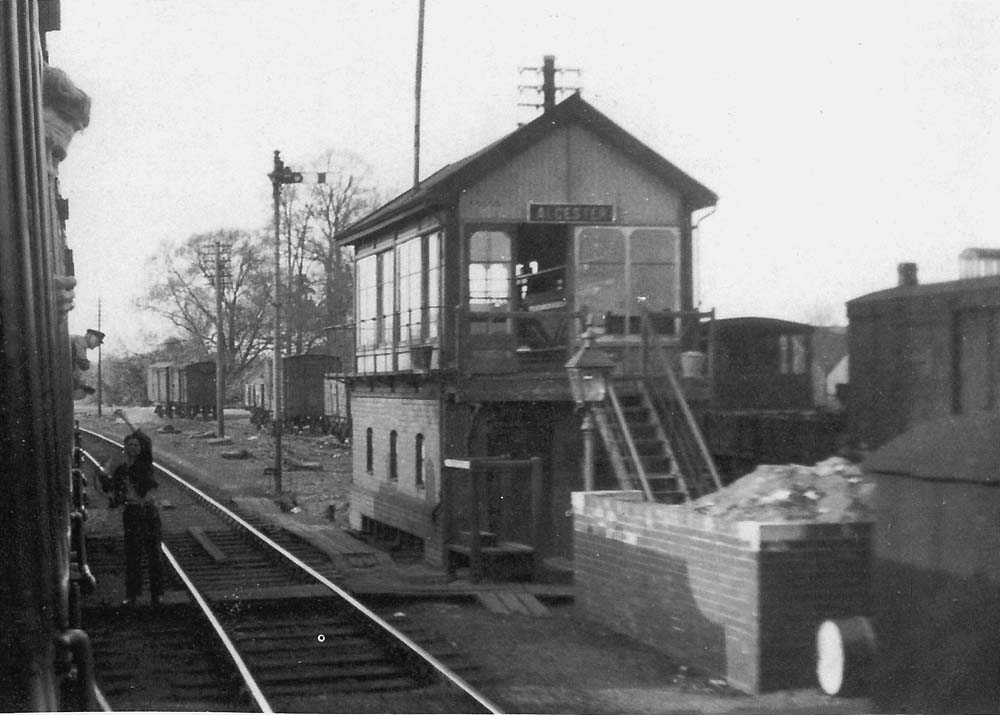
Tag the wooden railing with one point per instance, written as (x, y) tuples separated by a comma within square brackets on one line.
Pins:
[(513, 340)]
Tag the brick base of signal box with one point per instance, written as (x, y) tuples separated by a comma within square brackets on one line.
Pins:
[(739, 600)]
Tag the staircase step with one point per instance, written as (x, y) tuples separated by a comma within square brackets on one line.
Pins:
[(651, 463), (643, 431), (670, 497), (648, 447)]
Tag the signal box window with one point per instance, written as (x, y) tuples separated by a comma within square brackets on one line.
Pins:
[(418, 459), (489, 270), (393, 461), (621, 271), (419, 263), (367, 281)]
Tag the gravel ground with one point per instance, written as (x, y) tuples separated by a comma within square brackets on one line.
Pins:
[(554, 664)]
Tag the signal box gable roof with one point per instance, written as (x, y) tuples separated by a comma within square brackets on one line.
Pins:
[(441, 188), (961, 448)]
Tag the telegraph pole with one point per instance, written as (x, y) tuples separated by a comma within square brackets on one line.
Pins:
[(220, 351), (214, 260)]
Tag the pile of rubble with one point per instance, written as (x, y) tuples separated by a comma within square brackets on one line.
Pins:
[(834, 490)]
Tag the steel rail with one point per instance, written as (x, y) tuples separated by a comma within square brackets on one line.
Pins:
[(88, 455), (255, 691), (248, 680), (415, 648)]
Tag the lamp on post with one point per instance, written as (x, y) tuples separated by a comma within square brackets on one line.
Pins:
[(588, 372)]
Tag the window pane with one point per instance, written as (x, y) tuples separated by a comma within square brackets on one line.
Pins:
[(366, 272), (367, 301), (433, 284), (489, 246), (387, 290), (410, 264), (601, 288), (488, 284), (654, 283), (604, 245), (653, 245), (798, 354)]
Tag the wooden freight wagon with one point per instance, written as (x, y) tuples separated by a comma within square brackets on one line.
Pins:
[(199, 388), (304, 379), (165, 387), (305, 398)]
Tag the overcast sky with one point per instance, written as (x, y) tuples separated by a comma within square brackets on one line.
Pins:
[(842, 138)]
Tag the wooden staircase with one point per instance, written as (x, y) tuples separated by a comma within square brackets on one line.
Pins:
[(638, 447), (652, 438)]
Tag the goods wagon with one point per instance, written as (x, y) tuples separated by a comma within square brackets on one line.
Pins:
[(182, 390), (307, 394)]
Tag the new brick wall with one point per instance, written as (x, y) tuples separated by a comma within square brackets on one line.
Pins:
[(740, 600)]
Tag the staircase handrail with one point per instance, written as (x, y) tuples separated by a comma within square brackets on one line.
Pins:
[(623, 426), (649, 341), (599, 413)]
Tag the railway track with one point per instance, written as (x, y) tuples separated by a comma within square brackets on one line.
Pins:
[(264, 626)]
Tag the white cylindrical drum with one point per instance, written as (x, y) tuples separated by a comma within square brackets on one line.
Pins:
[(845, 653)]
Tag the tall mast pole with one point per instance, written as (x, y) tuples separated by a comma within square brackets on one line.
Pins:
[(276, 386), (417, 91)]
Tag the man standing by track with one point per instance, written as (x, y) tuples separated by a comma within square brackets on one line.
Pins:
[(132, 485)]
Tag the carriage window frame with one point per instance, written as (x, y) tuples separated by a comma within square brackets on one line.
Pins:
[(792, 356)]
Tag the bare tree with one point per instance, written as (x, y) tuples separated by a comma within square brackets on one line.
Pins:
[(319, 286), (347, 196), (184, 294)]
